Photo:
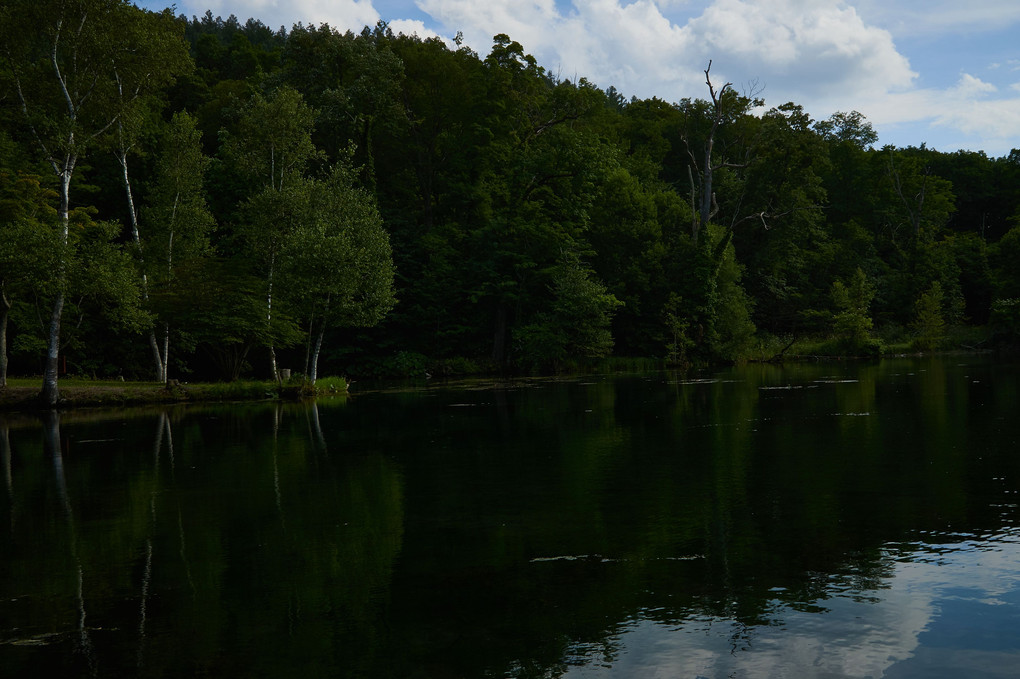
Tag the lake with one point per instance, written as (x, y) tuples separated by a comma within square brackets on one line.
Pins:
[(811, 520)]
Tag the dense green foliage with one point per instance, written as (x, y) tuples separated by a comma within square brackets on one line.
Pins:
[(405, 205)]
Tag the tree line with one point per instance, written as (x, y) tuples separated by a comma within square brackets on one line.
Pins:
[(205, 197)]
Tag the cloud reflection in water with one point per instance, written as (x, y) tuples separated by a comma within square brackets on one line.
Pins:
[(949, 607)]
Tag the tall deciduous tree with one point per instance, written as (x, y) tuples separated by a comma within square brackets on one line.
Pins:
[(708, 120), (271, 146), (786, 247), (138, 103), (576, 324), (338, 264), (178, 224), (67, 59), (354, 80), (539, 179), (720, 137)]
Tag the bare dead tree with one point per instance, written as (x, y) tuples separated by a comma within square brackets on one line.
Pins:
[(707, 204), (702, 186)]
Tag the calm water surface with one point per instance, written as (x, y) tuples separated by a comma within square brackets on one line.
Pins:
[(825, 520)]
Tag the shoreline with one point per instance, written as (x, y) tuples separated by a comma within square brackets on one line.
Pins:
[(23, 395)]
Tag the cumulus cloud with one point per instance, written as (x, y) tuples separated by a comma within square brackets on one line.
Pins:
[(801, 47), (413, 27), (966, 108), (970, 86), (659, 48), (343, 14), (972, 114)]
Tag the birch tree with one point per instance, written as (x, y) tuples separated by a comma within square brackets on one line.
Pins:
[(338, 263), (271, 147), (178, 223), (65, 59), (137, 107)]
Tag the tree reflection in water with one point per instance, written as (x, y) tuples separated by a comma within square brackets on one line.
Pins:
[(814, 520)]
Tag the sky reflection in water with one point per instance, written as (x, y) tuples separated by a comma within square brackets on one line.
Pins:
[(947, 608)]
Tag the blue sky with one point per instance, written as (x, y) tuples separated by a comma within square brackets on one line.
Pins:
[(941, 72)]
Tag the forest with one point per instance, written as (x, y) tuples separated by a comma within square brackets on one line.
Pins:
[(209, 199)]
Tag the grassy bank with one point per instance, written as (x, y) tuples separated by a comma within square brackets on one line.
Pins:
[(23, 393)]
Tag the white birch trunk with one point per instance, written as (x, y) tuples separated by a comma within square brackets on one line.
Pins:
[(50, 389), (269, 322), (158, 358), (314, 373)]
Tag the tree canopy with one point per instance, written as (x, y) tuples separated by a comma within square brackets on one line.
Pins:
[(376, 203)]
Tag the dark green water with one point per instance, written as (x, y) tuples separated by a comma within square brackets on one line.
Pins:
[(823, 520)]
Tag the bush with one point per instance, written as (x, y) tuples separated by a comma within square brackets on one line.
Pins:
[(1005, 317), (458, 365), (929, 323), (330, 385)]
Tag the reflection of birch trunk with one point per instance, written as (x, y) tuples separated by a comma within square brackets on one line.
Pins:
[(165, 422), (276, 466), (164, 426), (51, 445), (317, 426), (5, 452), (146, 580), (157, 448)]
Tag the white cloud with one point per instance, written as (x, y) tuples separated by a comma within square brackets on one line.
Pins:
[(995, 122), (413, 27), (527, 22), (971, 114), (341, 14), (969, 86), (633, 47), (793, 46), (801, 48)]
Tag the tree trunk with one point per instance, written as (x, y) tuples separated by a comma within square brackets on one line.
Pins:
[(5, 308), (269, 323), (315, 355), (50, 389), (706, 208), (272, 364), (307, 370), (136, 236), (314, 373), (165, 375), (157, 356)]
